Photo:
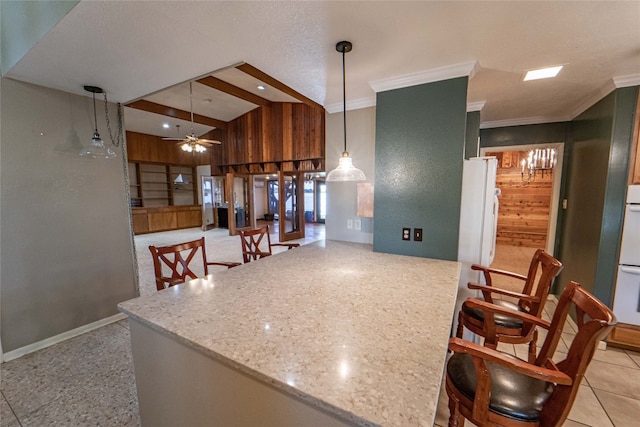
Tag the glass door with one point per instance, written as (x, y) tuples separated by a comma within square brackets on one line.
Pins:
[(321, 201), (291, 206), (208, 202)]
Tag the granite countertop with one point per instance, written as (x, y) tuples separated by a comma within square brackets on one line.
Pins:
[(358, 333)]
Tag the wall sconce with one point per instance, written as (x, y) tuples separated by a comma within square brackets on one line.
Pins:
[(96, 148), (540, 159)]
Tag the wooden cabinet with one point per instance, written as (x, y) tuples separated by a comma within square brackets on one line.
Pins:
[(151, 220)]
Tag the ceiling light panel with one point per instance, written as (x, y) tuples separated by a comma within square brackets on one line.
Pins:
[(542, 73)]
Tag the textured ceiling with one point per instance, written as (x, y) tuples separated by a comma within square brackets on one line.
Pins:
[(134, 49)]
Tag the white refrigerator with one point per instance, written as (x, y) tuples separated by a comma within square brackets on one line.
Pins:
[(478, 224), (626, 303)]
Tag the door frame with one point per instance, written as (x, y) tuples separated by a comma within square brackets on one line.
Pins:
[(299, 180), (555, 189)]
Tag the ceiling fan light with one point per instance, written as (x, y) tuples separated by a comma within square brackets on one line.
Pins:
[(186, 147)]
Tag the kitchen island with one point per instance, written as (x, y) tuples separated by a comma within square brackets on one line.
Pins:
[(327, 334)]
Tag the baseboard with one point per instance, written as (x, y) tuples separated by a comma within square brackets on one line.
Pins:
[(19, 352)]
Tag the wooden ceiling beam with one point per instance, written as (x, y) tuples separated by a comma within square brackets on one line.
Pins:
[(222, 86), (164, 110), (264, 77)]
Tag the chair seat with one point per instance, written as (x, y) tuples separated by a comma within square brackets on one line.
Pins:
[(500, 319), (513, 395)]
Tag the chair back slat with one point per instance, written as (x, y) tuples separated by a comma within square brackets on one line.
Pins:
[(177, 259), (256, 243)]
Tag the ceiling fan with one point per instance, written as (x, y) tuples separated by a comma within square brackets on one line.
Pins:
[(191, 142)]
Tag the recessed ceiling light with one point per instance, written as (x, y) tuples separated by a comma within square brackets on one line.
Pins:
[(166, 125), (542, 73), (260, 87)]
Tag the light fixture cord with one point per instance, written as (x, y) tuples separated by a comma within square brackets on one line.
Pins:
[(344, 101), (95, 115), (115, 141)]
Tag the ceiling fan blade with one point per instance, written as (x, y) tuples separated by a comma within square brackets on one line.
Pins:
[(173, 139), (208, 141)]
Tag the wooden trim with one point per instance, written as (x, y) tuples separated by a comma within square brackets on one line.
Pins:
[(264, 77), (228, 88), (164, 110), (634, 167), (625, 336)]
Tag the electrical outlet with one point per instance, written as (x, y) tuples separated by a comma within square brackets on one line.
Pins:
[(417, 234), (357, 224), (349, 224), (406, 233)]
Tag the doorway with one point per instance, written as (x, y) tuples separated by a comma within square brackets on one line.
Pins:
[(529, 196)]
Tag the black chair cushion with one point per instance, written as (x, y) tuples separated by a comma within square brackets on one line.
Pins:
[(513, 395), (501, 320)]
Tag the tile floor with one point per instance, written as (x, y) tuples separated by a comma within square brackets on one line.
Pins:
[(88, 380)]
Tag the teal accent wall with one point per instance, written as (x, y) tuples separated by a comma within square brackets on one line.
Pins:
[(420, 137), (471, 143), (615, 192)]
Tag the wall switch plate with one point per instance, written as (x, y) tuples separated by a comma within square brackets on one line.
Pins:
[(417, 234), (357, 224), (406, 233), (349, 224)]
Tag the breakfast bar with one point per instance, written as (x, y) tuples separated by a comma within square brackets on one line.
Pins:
[(328, 334)]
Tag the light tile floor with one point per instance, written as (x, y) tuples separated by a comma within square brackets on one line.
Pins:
[(89, 381)]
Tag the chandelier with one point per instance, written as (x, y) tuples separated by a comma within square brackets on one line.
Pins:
[(539, 160)]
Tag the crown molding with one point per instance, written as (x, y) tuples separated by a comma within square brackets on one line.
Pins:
[(475, 106), (355, 104), (590, 100), (426, 76), (626, 81), (522, 121)]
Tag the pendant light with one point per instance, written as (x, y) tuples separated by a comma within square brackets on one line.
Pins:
[(97, 149), (345, 170)]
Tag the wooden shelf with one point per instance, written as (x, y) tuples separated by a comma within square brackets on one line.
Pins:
[(154, 184)]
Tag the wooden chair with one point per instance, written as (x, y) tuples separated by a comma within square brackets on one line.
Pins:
[(491, 388), (178, 258), (511, 329), (256, 246)]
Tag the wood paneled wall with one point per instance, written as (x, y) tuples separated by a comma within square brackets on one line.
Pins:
[(523, 217), (153, 149), (285, 137)]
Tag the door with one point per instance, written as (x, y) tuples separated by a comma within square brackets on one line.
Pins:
[(208, 202), (582, 222), (240, 207), (321, 201), (291, 201)]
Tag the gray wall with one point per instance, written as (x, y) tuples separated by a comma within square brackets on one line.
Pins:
[(342, 196), (66, 242), (23, 23), (420, 138)]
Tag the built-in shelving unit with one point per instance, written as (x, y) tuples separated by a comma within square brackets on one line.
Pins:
[(163, 197), (159, 185)]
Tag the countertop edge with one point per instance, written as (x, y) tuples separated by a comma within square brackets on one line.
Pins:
[(311, 400)]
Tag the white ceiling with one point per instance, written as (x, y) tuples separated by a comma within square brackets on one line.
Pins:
[(136, 49)]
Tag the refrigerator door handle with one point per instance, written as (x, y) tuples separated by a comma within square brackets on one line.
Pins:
[(634, 208), (630, 270)]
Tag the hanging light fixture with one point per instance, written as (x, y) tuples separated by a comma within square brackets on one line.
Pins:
[(97, 149), (540, 159), (345, 170)]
